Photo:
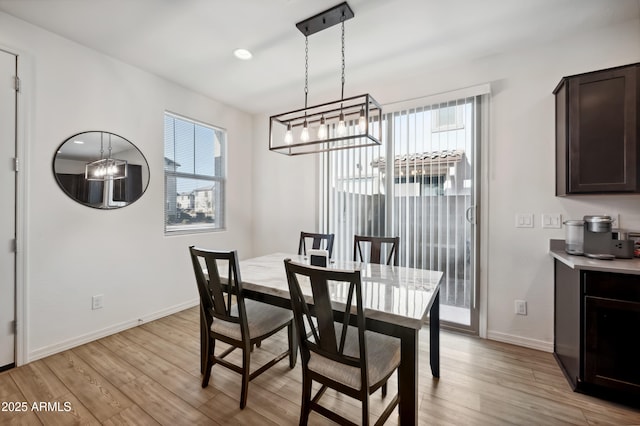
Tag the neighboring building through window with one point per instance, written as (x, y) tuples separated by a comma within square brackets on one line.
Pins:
[(194, 175)]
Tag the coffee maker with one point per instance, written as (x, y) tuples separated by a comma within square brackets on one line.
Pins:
[(597, 237)]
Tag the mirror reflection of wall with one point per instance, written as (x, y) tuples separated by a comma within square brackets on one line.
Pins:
[(104, 191)]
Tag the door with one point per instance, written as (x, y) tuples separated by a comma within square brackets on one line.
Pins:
[(8, 67), (422, 186)]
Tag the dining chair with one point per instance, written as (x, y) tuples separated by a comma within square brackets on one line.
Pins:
[(241, 324), (375, 249), (316, 243), (336, 355)]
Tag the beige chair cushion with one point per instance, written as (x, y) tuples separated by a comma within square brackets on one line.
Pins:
[(383, 356), (262, 319)]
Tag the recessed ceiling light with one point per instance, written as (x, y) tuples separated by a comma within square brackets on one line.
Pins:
[(243, 54)]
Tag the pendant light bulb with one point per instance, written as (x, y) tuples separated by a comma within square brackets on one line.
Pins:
[(362, 122), (304, 136), (322, 130), (342, 128), (288, 137)]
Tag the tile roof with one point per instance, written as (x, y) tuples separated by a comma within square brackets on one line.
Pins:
[(423, 158)]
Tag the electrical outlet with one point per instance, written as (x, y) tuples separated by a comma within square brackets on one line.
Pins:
[(521, 307), (96, 301)]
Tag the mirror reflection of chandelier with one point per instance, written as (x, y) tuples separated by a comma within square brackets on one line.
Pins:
[(342, 124), (105, 168)]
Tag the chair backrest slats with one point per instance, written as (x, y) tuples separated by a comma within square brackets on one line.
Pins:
[(317, 240), (323, 338), (324, 314), (212, 289), (375, 251)]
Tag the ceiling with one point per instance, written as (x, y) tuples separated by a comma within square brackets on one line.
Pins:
[(191, 42)]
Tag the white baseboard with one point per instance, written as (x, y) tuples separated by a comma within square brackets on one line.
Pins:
[(98, 334), (540, 345)]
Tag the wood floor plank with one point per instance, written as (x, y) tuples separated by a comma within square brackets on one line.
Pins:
[(38, 383), (15, 412), (102, 398), (7, 386), (164, 406), (186, 338), (107, 363), (115, 342), (132, 416), (156, 367), (175, 379), (177, 355), (225, 410), (66, 410)]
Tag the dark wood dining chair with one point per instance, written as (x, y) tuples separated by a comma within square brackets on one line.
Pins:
[(375, 249), (242, 324), (337, 355), (316, 242)]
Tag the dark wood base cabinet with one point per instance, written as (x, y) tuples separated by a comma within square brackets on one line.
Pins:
[(597, 332)]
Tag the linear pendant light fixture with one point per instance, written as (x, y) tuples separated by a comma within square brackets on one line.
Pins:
[(105, 169), (346, 123)]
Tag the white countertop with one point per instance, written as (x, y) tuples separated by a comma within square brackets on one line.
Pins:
[(620, 266)]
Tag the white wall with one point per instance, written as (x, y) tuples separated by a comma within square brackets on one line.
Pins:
[(520, 173), (72, 252)]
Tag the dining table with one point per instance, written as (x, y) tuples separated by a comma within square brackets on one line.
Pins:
[(397, 302)]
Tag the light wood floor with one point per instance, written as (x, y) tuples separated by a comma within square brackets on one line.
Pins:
[(150, 375)]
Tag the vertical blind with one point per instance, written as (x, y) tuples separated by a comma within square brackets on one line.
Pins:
[(419, 185)]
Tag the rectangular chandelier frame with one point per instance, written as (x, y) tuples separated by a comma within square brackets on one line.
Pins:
[(106, 169), (362, 126)]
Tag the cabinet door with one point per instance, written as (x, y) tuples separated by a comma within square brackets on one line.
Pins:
[(603, 110), (568, 298), (612, 348), (129, 189)]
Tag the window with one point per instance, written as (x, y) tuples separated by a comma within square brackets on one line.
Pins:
[(194, 175), (445, 118)]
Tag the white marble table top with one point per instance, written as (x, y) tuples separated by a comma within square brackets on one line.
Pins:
[(394, 294)]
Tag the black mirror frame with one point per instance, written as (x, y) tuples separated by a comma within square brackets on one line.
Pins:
[(75, 183)]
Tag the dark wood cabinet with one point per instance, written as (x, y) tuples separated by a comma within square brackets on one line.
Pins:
[(129, 189), (78, 188), (91, 192), (567, 322), (612, 342), (597, 130), (597, 318)]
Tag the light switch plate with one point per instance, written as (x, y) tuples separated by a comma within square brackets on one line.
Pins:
[(524, 220), (552, 220)]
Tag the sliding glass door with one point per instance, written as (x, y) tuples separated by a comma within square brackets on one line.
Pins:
[(420, 185)]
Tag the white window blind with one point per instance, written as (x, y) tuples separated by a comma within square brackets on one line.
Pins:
[(419, 185), (195, 175)]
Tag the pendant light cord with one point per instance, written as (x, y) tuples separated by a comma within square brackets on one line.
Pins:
[(306, 70), (342, 20), (101, 145)]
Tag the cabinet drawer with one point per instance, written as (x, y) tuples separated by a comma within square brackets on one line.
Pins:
[(612, 286)]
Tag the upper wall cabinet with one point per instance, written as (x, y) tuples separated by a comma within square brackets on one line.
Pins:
[(597, 132)]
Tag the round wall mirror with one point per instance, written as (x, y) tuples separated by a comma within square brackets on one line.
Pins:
[(101, 170)]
